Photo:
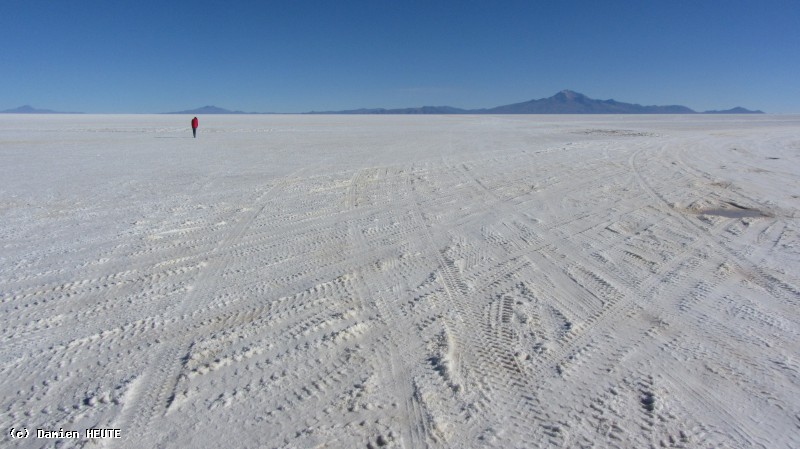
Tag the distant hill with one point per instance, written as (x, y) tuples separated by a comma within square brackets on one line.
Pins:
[(31, 110), (209, 110), (564, 102), (736, 110)]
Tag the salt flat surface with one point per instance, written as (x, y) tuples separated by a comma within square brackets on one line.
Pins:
[(401, 281)]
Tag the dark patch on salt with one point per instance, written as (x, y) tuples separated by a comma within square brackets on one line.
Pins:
[(733, 213), (648, 400), (738, 211)]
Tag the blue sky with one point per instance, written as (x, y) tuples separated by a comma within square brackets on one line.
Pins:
[(145, 56)]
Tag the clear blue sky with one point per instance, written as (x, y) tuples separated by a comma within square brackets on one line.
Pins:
[(117, 56)]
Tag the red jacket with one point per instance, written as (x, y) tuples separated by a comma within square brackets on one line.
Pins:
[(195, 122)]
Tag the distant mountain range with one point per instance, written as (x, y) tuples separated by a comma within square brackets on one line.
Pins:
[(31, 110), (210, 110), (564, 102)]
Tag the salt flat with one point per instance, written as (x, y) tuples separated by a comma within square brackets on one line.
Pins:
[(401, 281)]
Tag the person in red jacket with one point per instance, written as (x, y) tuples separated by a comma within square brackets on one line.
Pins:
[(195, 122)]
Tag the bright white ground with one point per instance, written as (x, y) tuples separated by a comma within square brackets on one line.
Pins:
[(401, 282)]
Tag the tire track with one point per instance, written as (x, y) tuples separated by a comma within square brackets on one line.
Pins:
[(607, 315), (510, 385), (159, 379), (402, 348), (764, 279)]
